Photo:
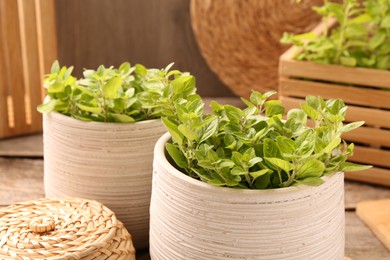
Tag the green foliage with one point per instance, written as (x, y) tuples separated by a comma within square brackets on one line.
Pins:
[(361, 37), (253, 148), (123, 95)]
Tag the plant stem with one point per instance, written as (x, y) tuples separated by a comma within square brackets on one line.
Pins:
[(248, 180), (290, 179), (280, 177), (105, 109)]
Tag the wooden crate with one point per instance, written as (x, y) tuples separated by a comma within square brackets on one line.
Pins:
[(367, 94), (28, 46)]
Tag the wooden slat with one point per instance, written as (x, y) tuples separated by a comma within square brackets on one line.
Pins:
[(373, 156), (28, 46), (3, 80), (14, 63), (334, 73), (47, 42), (368, 135), (372, 116), (32, 71), (350, 94), (374, 175)]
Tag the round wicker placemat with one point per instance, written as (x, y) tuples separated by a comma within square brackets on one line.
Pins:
[(62, 229), (240, 39)]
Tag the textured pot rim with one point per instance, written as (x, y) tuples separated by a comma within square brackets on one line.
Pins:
[(159, 153), (60, 116)]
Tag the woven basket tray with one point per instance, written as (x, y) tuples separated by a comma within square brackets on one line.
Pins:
[(62, 229), (240, 39)]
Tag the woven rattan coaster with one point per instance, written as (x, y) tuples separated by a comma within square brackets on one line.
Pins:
[(63, 229)]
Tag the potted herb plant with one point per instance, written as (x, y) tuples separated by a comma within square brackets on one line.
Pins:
[(236, 184), (347, 56), (99, 134)]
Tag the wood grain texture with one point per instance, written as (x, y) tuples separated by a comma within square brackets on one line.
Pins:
[(360, 243), (334, 73), (3, 82), (349, 94), (356, 192), (374, 175), (30, 146), (376, 215), (20, 180), (369, 135), (371, 155), (47, 29), (27, 41), (152, 32), (14, 63), (31, 68)]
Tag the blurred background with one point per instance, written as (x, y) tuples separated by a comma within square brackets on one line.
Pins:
[(151, 32), (230, 46)]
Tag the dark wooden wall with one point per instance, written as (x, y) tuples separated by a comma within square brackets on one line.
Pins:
[(152, 32)]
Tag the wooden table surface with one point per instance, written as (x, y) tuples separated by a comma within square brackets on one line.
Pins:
[(21, 176)]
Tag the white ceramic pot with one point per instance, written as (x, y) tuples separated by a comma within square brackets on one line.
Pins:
[(107, 162), (190, 219)]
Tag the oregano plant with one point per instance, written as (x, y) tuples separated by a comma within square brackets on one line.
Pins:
[(254, 148), (361, 36), (123, 95)]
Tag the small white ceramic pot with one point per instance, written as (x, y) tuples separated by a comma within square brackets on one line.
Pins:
[(107, 162), (190, 219)]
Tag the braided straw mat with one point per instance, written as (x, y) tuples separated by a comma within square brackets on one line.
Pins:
[(62, 229), (240, 39)]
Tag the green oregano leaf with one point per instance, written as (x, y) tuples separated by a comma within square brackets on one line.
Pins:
[(111, 88), (312, 181), (173, 129), (312, 168), (352, 126), (209, 130), (311, 112), (176, 155), (94, 110), (259, 173), (48, 106), (351, 167), (121, 95), (359, 33), (55, 67), (121, 118), (280, 163)]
